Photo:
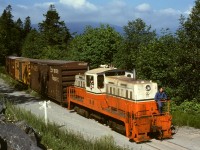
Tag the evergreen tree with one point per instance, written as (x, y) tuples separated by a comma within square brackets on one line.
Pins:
[(19, 24), (53, 30), (7, 24), (52, 39), (18, 38), (33, 45), (27, 26), (10, 34)]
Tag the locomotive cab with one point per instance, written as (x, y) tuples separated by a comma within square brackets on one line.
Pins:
[(96, 79)]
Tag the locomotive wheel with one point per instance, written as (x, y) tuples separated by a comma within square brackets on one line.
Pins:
[(86, 114), (76, 109)]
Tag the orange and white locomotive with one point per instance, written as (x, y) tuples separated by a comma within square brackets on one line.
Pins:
[(127, 105)]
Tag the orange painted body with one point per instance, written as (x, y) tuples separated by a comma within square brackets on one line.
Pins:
[(140, 118)]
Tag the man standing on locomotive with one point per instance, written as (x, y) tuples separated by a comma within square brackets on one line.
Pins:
[(160, 95)]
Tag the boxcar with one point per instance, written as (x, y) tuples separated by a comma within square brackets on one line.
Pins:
[(38, 73), (11, 65), (51, 77), (22, 71), (62, 75)]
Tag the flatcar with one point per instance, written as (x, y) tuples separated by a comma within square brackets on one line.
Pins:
[(127, 105)]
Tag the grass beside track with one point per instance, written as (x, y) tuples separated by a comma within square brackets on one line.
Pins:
[(186, 119), (56, 139), (9, 80)]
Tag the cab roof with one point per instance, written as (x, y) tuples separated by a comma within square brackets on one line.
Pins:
[(127, 79), (102, 70)]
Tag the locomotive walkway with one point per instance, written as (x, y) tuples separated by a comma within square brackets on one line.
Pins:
[(186, 138)]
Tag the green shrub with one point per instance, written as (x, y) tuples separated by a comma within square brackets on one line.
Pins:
[(186, 114), (2, 70), (191, 107), (181, 118)]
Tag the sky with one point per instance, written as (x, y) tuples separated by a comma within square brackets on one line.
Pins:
[(157, 13)]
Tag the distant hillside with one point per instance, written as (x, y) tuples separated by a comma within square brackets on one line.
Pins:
[(78, 27)]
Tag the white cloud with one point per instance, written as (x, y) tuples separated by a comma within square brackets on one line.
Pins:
[(78, 4), (118, 3), (44, 5), (170, 11), (22, 6), (143, 7), (114, 8), (188, 11)]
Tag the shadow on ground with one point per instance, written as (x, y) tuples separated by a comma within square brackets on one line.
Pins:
[(14, 96)]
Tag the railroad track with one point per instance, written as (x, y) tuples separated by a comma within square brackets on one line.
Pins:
[(179, 145), (152, 146), (166, 145)]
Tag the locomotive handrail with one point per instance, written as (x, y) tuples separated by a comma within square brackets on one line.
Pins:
[(168, 105), (140, 116)]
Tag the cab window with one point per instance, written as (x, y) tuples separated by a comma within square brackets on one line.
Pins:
[(90, 80), (100, 80)]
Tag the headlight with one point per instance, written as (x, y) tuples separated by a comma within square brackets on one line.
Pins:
[(148, 87)]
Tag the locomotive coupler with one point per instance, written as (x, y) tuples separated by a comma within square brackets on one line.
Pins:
[(157, 131)]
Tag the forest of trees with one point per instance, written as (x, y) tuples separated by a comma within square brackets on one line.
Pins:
[(170, 59)]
